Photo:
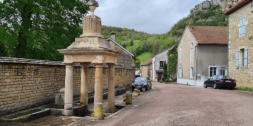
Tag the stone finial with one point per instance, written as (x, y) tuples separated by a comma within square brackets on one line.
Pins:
[(93, 4)]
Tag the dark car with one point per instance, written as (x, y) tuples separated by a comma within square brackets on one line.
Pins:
[(142, 83), (220, 82)]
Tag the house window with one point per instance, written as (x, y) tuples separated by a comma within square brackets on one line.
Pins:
[(222, 72), (161, 64), (242, 26), (212, 71), (244, 57)]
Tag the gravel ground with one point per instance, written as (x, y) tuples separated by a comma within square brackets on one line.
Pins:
[(179, 105)]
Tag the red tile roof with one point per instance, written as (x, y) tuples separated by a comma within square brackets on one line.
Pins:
[(146, 63), (237, 6), (210, 34)]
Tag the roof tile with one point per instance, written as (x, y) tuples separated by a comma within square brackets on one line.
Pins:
[(210, 34)]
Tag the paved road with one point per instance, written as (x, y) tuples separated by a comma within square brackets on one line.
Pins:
[(179, 105)]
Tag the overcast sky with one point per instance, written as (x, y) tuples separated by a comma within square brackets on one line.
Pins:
[(151, 16)]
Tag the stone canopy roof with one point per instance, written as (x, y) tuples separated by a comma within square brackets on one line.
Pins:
[(237, 6), (210, 34)]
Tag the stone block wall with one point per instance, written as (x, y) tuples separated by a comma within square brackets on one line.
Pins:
[(242, 75), (30, 83)]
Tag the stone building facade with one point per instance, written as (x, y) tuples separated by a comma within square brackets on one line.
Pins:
[(202, 53), (158, 62), (25, 83), (241, 43), (146, 69)]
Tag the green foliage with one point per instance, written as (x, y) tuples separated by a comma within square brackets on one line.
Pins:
[(143, 57), (37, 28), (142, 45), (165, 73), (172, 64), (208, 17), (245, 89)]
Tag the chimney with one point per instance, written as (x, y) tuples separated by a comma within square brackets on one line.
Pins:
[(113, 36)]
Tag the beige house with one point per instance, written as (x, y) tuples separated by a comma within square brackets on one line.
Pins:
[(202, 53), (241, 43), (146, 69)]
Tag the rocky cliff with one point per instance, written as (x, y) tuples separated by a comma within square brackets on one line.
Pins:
[(224, 4)]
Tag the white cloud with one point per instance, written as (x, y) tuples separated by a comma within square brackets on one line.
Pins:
[(152, 16)]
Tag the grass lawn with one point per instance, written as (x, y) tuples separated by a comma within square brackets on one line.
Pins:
[(245, 89), (144, 57)]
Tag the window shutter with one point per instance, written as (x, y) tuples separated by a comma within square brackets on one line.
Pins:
[(237, 58), (245, 58), (241, 21)]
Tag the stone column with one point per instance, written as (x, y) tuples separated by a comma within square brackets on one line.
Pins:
[(68, 94), (98, 97), (111, 88), (84, 85)]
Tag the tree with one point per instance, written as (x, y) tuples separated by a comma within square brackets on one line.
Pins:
[(40, 27), (165, 73), (156, 46), (172, 64), (2, 50)]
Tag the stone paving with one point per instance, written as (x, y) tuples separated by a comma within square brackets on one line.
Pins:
[(179, 105)]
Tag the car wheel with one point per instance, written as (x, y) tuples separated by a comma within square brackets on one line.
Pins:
[(214, 86), (205, 86)]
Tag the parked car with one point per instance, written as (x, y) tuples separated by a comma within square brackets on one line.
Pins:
[(142, 83), (218, 81)]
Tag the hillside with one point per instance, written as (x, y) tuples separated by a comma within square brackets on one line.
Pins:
[(144, 45)]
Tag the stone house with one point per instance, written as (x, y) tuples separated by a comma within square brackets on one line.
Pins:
[(240, 44), (158, 62), (146, 69), (126, 58), (202, 53)]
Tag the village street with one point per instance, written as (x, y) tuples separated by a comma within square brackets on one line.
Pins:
[(180, 105)]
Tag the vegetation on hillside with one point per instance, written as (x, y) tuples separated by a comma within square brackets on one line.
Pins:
[(142, 45)]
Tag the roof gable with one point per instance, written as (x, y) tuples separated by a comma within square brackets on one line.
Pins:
[(170, 48), (210, 34), (129, 53), (237, 6)]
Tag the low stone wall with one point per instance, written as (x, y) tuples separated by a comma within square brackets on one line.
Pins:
[(25, 83)]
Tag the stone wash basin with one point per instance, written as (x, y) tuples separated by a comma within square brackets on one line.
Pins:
[(51, 109)]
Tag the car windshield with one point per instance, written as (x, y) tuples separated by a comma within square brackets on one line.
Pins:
[(140, 80)]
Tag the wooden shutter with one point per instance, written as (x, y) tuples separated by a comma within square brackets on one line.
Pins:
[(237, 58), (245, 58)]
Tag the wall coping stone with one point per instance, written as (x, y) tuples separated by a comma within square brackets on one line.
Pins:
[(29, 61), (5, 60)]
